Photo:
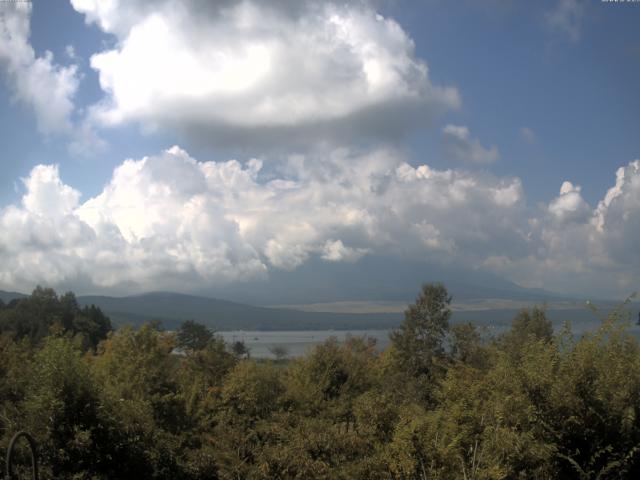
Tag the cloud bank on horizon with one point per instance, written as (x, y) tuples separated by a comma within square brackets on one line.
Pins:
[(168, 221), (326, 83)]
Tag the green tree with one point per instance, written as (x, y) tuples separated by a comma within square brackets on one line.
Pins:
[(240, 349), (91, 325), (417, 346), (193, 336), (15, 374), (528, 325), (43, 312), (201, 375), (250, 395), (62, 409), (466, 345), (140, 393)]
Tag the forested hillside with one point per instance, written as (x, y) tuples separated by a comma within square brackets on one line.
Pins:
[(442, 402)]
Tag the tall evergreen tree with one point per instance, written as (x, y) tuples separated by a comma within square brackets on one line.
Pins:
[(419, 340)]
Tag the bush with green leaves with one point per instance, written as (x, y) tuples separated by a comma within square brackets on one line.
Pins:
[(440, 402)]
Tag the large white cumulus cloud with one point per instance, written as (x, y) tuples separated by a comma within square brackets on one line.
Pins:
[(169, 221), (254, 71), (577, 248)]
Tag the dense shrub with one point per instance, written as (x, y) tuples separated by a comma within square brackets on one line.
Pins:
[(439, 403)]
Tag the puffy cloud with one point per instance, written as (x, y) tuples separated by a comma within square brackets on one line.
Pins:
[(42, 84), (47, 195), (617, 217), (570, 206), (39, 82), (583, 250), (169, 221), (249, 72), (335, 251), (459, 146)]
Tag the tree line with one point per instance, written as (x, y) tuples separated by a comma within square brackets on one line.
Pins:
[(441, 402)]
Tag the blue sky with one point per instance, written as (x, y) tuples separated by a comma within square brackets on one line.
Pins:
[(521, 94)]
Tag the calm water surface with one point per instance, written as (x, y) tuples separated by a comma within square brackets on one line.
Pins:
[(298, 343)]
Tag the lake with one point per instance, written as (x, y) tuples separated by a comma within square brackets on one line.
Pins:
[(300, 342), (297, 343)]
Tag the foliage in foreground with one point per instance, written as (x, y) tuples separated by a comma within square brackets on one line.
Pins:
[(439, 403)]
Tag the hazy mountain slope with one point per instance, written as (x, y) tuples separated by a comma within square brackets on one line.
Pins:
[(6, 297), (173, 308), (372, 278)]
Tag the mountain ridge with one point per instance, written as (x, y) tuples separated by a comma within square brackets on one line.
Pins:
[(171, 309)]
